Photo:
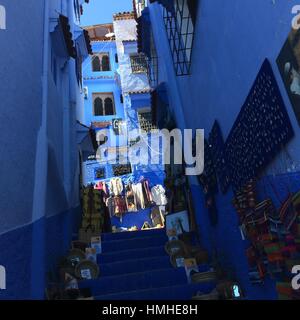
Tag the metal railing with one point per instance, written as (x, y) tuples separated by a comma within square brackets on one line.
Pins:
[(139, 64)]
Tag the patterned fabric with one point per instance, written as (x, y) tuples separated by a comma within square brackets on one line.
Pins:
[(110, 203), (120, 206), (139, 196), (158, 195), (130, 198), (116, 186)]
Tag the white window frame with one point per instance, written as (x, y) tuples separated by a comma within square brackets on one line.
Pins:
[(100, 55), (103, 96)]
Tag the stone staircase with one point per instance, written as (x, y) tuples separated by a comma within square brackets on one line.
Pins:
[(135, 266)]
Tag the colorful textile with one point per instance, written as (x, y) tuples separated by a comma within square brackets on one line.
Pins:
[(158, 195), (116, 186)]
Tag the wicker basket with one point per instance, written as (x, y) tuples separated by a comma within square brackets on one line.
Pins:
[(175, 245), (85, 265), (204, 277)]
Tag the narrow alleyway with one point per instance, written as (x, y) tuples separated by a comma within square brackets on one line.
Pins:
[(149, 150)]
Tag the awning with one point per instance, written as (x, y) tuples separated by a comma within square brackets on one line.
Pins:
[(88, 41), (168, 4), (93, 139), (83, 49), (64, 22), (162, 116), (84, 139), (100, 124), (62, 38), (144, 33)]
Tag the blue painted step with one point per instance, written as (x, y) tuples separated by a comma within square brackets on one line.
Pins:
[(140, 253), (134, 265), (135, 281), (130, 219), (145, 242), (132, 234), (180, 292)]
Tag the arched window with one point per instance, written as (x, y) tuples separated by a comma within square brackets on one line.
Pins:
[(105, 63), (109, 107), (104, 104), (96, 64), (98, 107)]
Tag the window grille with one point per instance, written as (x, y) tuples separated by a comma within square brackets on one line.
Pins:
[(180, 31), (153, 64), (139, 64), (145, 121), (99, 173), (120, 170)]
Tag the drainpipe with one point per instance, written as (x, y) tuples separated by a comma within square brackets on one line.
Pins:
[(40, 179)]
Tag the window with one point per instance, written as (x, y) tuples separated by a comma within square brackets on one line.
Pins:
[(145, 121), (153, 63), (98, 107), (99, 173), (101, 62), (120, 170), (105, 63), (109, 107), (103, 104), (138, 63), (180, 31), (96, 64)]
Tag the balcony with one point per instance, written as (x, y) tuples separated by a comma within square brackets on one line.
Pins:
[(139, 64)]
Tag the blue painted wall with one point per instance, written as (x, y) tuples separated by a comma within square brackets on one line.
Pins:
[(98, 82), (38, 159), (232, 39), (120, 80)]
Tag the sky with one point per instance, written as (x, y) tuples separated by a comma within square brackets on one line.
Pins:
[(101, 11)]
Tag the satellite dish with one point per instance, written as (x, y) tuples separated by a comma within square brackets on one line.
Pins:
[(109, 35)]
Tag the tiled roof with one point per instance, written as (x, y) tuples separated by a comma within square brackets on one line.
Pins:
[(124, 16), (98, 78), (140, 91), (66, 29), (101, 124), (98, 32), (129, 40), (105, 40)]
